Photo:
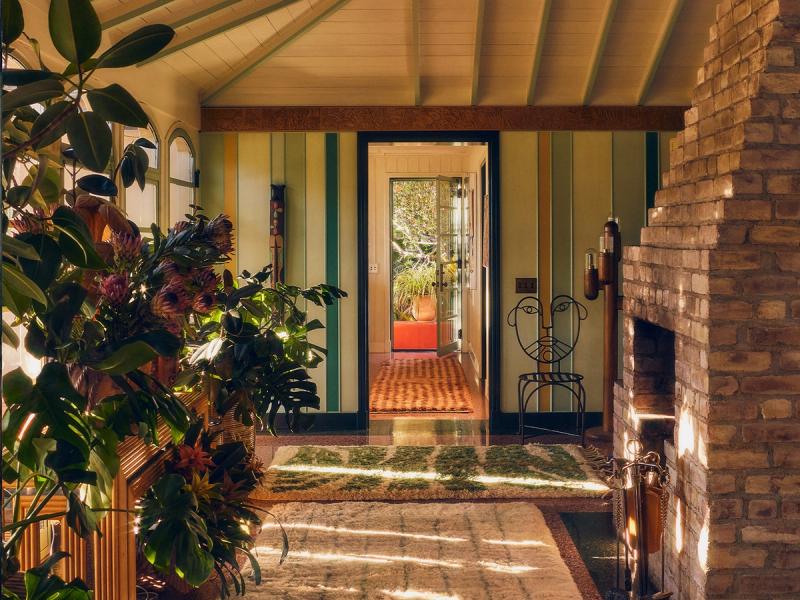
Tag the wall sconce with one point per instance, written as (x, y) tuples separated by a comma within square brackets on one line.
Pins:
[(591, 282)]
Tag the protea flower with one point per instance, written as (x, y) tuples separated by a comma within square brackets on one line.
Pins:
[(180, 226), (220, 231), (170, 271), (170, 302), (127, 246), (205, 279), (114, 288), (203, 302)]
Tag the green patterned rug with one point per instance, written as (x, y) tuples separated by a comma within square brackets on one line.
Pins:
[(430, 472)]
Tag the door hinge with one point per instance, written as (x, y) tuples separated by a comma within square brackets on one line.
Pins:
[(459, 334)]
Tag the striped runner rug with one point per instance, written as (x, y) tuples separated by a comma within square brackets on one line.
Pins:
[(420, 385)]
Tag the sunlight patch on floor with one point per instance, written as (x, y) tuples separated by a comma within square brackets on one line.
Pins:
[(371, 532)]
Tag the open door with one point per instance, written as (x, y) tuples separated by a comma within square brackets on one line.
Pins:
[(448, 263)]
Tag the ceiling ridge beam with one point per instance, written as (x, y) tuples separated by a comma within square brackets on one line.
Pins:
[(597, 53), (302, 24), (128, 11), (673, 12), (215, 28), (477, 51), (415, 54), (544, 18)]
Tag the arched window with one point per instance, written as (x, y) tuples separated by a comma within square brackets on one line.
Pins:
[(141, 206), (181, 176)]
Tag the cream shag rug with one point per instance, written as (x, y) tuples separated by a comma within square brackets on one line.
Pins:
[(415, 551), (429, 472)]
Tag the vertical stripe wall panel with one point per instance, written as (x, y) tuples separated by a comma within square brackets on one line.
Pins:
[(230, 190), (316, 247), (331, 260), (253, 201), (629, 191), (212, 192), (562, 255), (518, 224), (591, 206), (295, 179), (348, 273), (545, 203)]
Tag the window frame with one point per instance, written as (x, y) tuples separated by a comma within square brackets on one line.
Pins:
[(180, 132), (152, 176)]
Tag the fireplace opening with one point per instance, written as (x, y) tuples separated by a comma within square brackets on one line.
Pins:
[(653, 395)]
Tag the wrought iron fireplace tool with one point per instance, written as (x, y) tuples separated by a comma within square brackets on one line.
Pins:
[(641, 496)]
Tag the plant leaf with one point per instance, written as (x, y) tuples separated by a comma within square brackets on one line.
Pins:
[(114, 103), (31, 93), (18, 248), (17, 281), (127, 358), (13, 21), (44, 268), (74, 29), (44, 121), (99, 185), (24, 76), (10, 336), (136, 47), (75, 240), (90, 137)]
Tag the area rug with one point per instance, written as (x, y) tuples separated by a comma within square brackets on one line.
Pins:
[(332, 473), (420, 385), (416, 551)]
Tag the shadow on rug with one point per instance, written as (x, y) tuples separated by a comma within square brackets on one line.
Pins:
[(332, 473), (431, 551)]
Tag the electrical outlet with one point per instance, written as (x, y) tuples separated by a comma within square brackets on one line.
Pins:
[(373, 267), (526, 285)]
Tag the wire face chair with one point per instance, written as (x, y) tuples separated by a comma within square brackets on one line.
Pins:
[(528, 320)]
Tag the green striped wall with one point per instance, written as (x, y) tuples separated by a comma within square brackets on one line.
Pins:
[(318, 170), (588, 175)]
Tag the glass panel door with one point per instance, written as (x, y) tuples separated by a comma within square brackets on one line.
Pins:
[(448, 263)]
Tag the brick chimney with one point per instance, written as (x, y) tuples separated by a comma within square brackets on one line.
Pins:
[(712, 316)]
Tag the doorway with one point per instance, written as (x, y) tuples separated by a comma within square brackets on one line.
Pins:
[(425, 314)]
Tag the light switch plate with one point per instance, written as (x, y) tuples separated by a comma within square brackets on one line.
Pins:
[(526, 285), (373, 267)]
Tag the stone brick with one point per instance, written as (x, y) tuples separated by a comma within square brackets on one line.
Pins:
[(762, 509), (771, 309), (771, 384), (757, 534), (733, 557), (771, 432), (777, 408)]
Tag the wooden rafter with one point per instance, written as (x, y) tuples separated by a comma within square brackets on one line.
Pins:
[(441, 118), (129, 10), (544, 17), (476, 51), (662, 40), (599, 46), (216, 27), (414, 53), (305, 22), (209, 8)]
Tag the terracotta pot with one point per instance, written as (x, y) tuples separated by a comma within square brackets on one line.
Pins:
[(423, 308)]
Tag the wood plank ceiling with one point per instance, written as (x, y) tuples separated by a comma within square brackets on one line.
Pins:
[(428, 52)]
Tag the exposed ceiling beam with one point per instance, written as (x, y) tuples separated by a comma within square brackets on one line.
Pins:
[(662, 40), (544, 17), (476, 51), (441, 118), (209, 8), (597, 53), (414, 53), (216, 27), (305, 22), (129, 10)]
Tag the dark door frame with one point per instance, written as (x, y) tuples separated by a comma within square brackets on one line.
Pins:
[(492, 140)]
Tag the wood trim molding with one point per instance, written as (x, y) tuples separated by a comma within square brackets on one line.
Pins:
[(442, 118)]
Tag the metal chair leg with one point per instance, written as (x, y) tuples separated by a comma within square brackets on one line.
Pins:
[(521, 413)]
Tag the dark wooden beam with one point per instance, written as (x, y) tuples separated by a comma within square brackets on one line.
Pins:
[(442, 118)]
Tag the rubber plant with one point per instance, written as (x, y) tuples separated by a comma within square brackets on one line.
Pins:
[(58, 438)]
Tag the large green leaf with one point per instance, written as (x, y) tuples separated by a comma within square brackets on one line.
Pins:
[(90, 137), (18, 248), (44, 268), (44, 124), (136, 47), (75, 240), (24, 76), (114, 103), (25, 95), (10, 336), (13, 20), (127, 358), (74, 29), (17, 281)]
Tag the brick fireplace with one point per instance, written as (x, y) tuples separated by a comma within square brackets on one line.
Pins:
[(711, 316)]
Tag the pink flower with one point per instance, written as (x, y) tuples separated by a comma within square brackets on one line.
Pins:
[(190, 457), (180, 226), (114, 288), (170, 271), (170, 302), (205, 279), (220, 230), (203, 302), (127, 247)]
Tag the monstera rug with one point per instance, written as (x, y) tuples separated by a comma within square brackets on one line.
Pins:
[(333, 473), (422, 551)]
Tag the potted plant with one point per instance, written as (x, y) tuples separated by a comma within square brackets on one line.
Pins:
[(414, 292)]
